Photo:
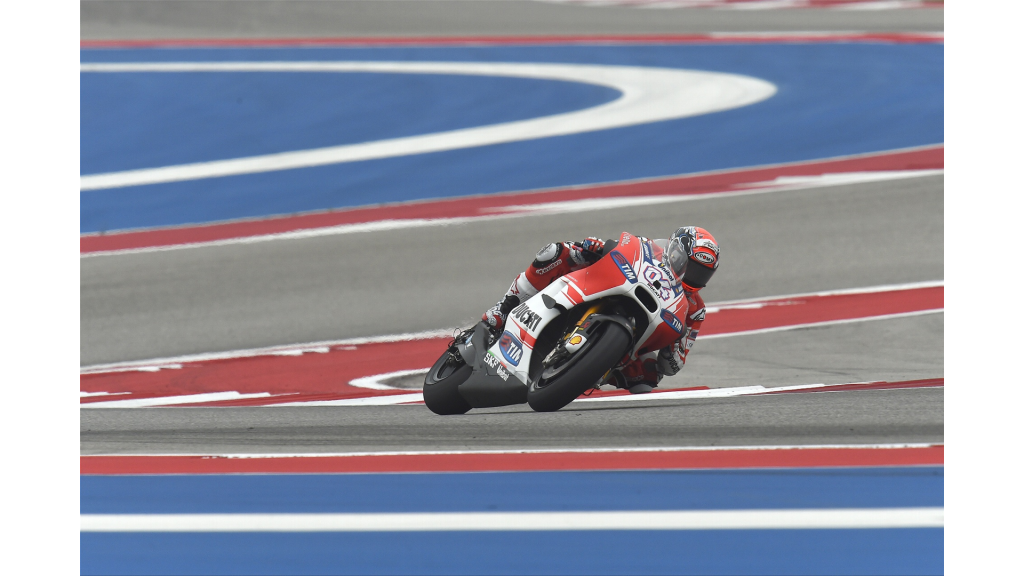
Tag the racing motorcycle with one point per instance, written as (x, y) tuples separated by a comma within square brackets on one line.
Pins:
[(565, 340)]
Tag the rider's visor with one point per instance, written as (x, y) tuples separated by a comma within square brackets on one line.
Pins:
[(688, 271)]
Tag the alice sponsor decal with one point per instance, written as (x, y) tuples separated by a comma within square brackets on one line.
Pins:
[(493, 362), (511, 348), (624, 266), (673, 322), (549, 267)]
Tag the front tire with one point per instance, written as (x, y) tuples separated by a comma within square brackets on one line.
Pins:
[(441, 386), (595, 361)]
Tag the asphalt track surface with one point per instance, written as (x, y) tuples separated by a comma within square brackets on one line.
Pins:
[(881, 416), (152, 305), (163, 19), (231, 297)]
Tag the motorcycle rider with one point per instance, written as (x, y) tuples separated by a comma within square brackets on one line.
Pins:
[(690, 255)]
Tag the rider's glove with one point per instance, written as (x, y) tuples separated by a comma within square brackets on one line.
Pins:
[(671, 359), (591, 244), (592, 248)]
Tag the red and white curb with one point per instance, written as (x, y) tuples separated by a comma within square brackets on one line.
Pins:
[(356, 372)]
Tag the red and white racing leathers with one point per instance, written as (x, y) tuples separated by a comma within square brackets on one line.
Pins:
[(558, 259)]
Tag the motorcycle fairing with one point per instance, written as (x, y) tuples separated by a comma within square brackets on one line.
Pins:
[(630, 267), (490, 384)]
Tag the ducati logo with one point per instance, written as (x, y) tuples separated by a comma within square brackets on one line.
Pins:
[(526, 317)]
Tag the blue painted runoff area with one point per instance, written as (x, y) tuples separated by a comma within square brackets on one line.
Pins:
[(832, 99), (515, 491), (876, 551), (800, 551)]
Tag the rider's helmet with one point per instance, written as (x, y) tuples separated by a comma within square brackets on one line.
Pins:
[(692, 254)]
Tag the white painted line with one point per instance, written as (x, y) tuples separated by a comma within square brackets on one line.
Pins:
[(83, 394), (822, 324), (268, 351), (376, 226), (571, 450), (758, 5), (374, 382), (647, 95), (144, 368), (654, 396), (367, 401), (814, 519), (842, 292), (712, 393), (881, 5), (543, 209), (172, 400)]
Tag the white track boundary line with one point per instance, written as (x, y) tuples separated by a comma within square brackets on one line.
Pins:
[(173, 400), (646, 94), (415, 398), (781, 184), (154, 364), (529, 191), (841, 518), (570, 450), (826, 323), (364, 401), (839, 292)]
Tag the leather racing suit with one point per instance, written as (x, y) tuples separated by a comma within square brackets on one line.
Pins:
[(560, 258)]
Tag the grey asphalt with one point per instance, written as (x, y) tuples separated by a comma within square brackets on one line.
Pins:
[(230, 297), (910, 415), (161, 19)]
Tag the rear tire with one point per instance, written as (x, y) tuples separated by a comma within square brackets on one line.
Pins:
[(596, 360), (441, 386)]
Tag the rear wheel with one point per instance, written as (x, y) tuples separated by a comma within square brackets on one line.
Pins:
[(441, 385), (558, 385)]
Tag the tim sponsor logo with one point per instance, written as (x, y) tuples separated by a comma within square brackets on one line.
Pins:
[(673, 322), (511, 348), (624, 266)]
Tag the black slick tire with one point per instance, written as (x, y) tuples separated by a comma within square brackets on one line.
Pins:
[(594, 362), (441, 387)]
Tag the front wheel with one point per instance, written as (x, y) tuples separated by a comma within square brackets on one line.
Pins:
[(441, 385), (588, 365)]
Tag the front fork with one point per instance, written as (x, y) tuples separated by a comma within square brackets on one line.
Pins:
[(576, 339)]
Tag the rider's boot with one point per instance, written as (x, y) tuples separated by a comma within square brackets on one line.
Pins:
[(639, 376), (520, 290), (494, 317)]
